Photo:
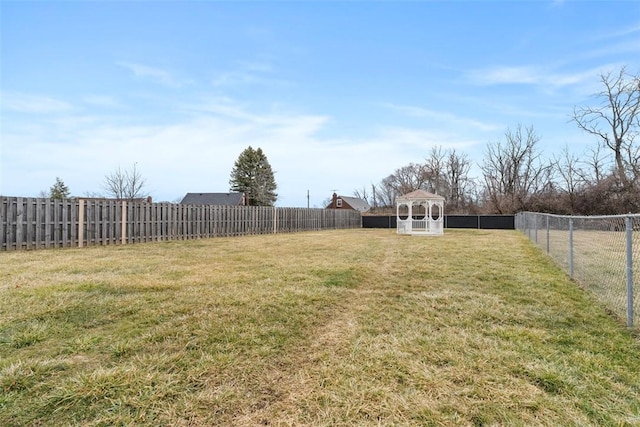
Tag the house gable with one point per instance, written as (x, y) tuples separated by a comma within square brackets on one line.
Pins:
[(347, 202)]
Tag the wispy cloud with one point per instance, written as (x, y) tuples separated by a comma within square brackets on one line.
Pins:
[(102, 101), (443, 117), (257, 72), (35, 104), (506, 75), (533, 75), (421, 140), (620, 32), (235, 79), (157, 75), (246, 77), (223, 107)]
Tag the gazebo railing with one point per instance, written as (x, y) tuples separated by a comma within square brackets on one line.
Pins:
[(419, 224)]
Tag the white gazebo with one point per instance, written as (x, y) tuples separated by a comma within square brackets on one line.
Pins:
[(420, 213)]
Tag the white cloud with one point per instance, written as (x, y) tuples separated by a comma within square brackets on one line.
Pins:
[(625, 48), (25, 103), (158, 75), (506, 75), (241, 78), (620, 32), (249, 73), (444, 117), (537, 76), (104, 101)]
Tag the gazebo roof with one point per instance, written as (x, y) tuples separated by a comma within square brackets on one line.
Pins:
[(419, 195)]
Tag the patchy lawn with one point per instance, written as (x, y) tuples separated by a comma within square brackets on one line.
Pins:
[(336, 328)]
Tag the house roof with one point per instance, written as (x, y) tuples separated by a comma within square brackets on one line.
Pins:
[(220, 199), (420, 195), (356, 203)]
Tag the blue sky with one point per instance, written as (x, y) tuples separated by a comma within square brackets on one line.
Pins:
[(337, 94)]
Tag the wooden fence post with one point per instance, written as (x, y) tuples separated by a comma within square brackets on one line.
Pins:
[(123, 228), (44, 223), (19, 220), (275, 220), (80, 223)]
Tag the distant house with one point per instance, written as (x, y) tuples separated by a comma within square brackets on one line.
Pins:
[(346, 202), (215, 199)]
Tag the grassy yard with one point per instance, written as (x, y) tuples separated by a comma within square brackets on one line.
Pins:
[(335, 328), (599, 264)]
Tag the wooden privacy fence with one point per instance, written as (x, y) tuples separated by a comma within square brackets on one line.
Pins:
[(36, 223)]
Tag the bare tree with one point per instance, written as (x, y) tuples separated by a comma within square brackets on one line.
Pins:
[(115, 184), (411, 177), (570, 177), (444, 172), (457, 168), (374, 199), (404, 180), (362, 194), (513, 171), (125, 185), (447, 174), (385, 193), (597, 167), (435, 171), (616, 123)]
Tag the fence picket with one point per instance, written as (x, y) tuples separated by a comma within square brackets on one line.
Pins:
[(36, 223)]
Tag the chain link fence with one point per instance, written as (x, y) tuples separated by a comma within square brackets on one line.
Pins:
[(599, 252)]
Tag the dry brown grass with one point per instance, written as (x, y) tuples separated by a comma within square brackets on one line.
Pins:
[(599, 264), (340, 328)]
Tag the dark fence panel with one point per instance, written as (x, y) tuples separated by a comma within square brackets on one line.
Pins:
[(497, 222), (485, 222), (379, 221), (461, 221)]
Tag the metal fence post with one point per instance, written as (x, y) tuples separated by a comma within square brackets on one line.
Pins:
[(571, 247), (547, 217), (535, 229), (629, 234)]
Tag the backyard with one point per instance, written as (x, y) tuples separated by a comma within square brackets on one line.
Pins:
[(333, 328)]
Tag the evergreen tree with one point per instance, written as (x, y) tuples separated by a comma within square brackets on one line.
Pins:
[(252, 175), (59, 190)]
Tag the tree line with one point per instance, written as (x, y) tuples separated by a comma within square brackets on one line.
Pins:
[(515, 176), (120, 184), (251, 174)]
